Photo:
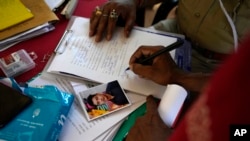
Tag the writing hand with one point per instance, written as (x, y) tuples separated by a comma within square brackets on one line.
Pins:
[(161, 70)]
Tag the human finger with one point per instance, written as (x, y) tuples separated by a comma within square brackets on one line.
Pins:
[(103, 21), (128, 14), (150, 73), (159, 72), (128, 27), (144, 71), (113, 16), (143, 51), (94, 20)]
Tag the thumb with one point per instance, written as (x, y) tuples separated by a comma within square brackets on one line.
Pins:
[(143, 70)]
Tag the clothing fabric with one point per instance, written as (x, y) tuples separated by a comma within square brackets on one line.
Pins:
[(107, 106), (199, 63), (207, 26), (224, 102)]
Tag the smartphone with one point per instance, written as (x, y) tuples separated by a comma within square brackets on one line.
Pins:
[(12, 102)]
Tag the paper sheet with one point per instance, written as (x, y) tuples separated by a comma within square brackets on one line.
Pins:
[(76, 126), (106, 61)]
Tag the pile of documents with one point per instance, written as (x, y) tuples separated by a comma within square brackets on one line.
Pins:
[(86, 64), (22, 20), (77, 127)]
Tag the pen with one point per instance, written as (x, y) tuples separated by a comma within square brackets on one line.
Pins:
[(176, 44)]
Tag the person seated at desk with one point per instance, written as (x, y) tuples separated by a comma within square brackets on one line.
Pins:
[(221, 108), (213, 27)]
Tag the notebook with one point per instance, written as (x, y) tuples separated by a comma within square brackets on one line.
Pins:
[(13, 12)]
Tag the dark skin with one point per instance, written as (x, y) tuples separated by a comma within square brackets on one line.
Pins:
[(162, 70), (102, 26), (165, 71)]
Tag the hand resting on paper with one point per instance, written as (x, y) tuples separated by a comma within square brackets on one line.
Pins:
[(164, 70), (104, 18)]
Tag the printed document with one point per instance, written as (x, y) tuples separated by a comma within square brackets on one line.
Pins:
[(105, 61), (77, 127)]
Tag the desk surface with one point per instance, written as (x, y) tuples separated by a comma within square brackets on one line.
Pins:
[(44, 45)]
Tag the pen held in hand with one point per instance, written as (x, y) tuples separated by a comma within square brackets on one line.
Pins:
[(145, 60)]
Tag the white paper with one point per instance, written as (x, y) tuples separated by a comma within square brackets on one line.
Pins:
[(107, 60), (76, 127), (81, 95), (39, 30)]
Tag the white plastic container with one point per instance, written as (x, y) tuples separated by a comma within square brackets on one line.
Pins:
[(171, 104), (16, 63)]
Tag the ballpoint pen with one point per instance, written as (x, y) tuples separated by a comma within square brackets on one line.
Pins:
[(145, 60)]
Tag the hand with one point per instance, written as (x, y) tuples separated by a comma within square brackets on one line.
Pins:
[(103, 24), (162, 70), (149, 127)]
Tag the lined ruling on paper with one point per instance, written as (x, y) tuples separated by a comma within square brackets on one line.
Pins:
[(106, 61)]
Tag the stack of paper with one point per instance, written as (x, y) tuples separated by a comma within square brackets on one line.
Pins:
[(77, 127), (41, 22), (106, 61), (84, 60)]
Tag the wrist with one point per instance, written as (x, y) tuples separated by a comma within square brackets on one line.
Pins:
[(191, 81)]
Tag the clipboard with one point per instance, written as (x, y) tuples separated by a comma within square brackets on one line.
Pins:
[(85, 59), (68, 33)]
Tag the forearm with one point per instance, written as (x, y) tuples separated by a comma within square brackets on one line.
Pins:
[(140, 3), (149, 3), (191, 81)]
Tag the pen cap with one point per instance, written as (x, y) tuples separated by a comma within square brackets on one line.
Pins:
[(171, 104)]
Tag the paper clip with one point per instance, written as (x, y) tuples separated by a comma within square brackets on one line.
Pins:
[(60, 48)]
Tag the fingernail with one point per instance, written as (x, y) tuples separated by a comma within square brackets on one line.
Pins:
[(127, 33), (90, 33), (131, 67), (97, 39), (108, 37)]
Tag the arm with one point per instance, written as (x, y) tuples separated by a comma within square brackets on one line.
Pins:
[(164, 70), (190, 81)]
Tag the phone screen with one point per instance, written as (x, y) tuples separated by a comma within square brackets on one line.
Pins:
[(12, 102)]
